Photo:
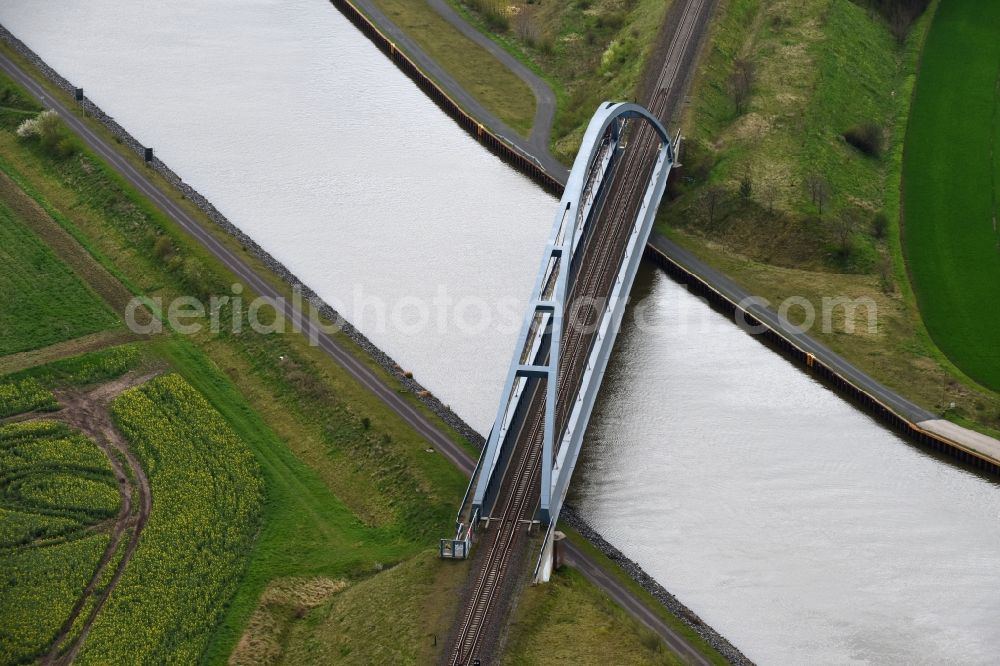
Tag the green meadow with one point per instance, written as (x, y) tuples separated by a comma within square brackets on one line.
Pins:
[(950, 175), (45, 301)]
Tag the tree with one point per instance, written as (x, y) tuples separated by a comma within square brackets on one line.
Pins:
[(880, 224), (866, 137), (50, 131), (901, 15), (746, 184), (886, 275), (899, 24), (525, 26), (740, 83), (711, 201), (767, 191), (820, 191), (844, 226)]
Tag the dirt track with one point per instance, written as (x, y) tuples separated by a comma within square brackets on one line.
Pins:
[(89, 413)]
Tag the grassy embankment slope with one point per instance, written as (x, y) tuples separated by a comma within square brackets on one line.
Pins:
[(47, 303), (951, 169), (547, 614), (543, 628), (821, 69), (587, 50), (350, 491), (488, 80)]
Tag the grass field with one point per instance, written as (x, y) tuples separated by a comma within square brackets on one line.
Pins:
[(57, 493), (776, 245), (44, 302), (951, 172), (820, 68), (400, 616), (479, 73), (15, 106), (569, 621)]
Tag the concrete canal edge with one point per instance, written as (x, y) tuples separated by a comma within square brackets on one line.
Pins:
[(903, 417), (505, 150), (675, 606)]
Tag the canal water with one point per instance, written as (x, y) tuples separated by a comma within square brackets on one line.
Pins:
[(799, 528), (314, 144), (791, 522)]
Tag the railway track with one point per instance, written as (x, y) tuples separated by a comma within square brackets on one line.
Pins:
[(603, 254), (491, 574)]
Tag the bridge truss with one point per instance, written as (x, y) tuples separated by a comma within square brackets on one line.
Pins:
[(544, 394)]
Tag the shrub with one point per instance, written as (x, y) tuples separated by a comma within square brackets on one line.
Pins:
[(50, 131), (844, 226), (880, 224), (31, 127), (820, 191), (63, 148), (611, 20), (495, 13), (711, 201), (526, 28), (696, 163), (899, 14), (866, 137), (746, 185), (162, 247), (619, 52)]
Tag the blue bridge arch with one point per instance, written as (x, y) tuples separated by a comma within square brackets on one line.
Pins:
[(540, 341)]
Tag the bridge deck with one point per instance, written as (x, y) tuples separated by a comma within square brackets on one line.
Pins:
[(598, 236)]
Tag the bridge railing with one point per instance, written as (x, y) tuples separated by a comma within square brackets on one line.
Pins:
[(602, 343), (541, 332)]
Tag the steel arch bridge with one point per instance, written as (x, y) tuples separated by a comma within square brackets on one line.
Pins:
[(535, 366)]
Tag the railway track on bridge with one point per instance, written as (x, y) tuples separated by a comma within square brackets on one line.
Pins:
[(603, 252), (516, 494)]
